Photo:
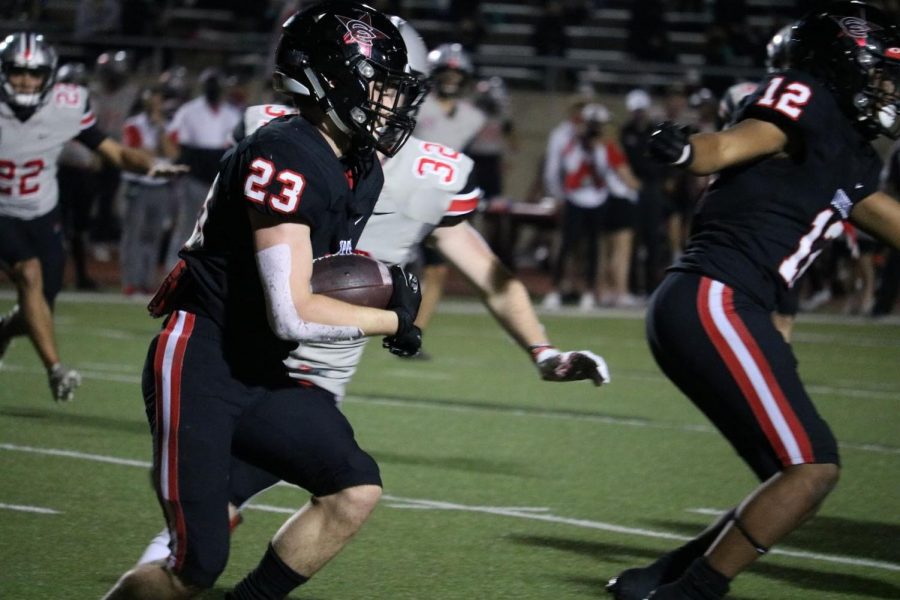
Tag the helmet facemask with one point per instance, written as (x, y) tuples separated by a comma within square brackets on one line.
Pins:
[(28, 98), (879, 102), (23, 54), (386, 118)]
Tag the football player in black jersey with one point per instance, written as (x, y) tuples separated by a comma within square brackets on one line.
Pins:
[(240, 300), (796, 164)]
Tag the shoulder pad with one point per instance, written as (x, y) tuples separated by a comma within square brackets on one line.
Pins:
[(256, 116)]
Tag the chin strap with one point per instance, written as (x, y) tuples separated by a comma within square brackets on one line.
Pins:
[(760, 549)]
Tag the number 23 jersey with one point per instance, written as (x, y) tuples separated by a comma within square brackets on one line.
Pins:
[(288, 172), (761, 224)]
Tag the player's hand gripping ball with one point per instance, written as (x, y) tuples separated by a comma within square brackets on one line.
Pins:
[(353, 278)]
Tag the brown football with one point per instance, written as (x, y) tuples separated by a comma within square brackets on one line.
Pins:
[(353, 278)]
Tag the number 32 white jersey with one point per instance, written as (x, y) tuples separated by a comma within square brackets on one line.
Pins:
[(29, 150)]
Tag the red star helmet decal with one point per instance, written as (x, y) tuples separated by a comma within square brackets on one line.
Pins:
[(361, 33)]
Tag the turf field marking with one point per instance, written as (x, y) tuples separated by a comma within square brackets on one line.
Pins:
[(712, 512), (473, 307), (635, 531), (470, 407), (29, 509), (535, 514), (417, 374), (121, 374), (73, 454)]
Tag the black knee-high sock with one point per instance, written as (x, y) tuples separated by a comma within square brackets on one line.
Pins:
[(676, 562), (702, 581), (270, 580)]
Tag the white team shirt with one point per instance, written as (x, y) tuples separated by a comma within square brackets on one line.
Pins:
[(29, 150), (197, 124), (424, 183)]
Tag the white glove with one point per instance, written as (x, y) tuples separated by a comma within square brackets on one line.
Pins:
[(570, 366)]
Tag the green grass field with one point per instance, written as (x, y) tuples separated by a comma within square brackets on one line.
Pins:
[(497, 485)]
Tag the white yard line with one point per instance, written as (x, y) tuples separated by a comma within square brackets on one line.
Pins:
[(530, 513), (29, 509), (537, 413)]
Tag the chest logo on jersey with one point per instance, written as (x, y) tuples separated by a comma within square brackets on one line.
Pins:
[(361, 33), (345, 247), (841, 203)]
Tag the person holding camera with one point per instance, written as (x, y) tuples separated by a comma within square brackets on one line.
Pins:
[(591, 168)]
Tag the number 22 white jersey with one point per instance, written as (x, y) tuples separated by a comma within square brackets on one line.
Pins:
[(29, 150)]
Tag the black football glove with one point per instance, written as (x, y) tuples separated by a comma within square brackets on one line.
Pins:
[(404, 301), (406, 296), (408, 339), (669, 144)]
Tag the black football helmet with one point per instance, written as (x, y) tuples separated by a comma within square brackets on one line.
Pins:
[(350, 60), (854, 49), (26, 52), (777, 49)]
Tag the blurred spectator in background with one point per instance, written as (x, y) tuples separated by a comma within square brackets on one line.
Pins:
[(468, 22), (77, 168), (550, 38), (141, 18), (680, 185), (860, 270), (648, 37), (113, 97), (175, 83), (618, 217), (589, 166), (146, 197), (647, 260), (201, 129), (706, 106), (495, 139), (97, 17), (447, 117)]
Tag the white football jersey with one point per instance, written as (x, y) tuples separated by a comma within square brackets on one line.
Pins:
[(455, 130), (29, 150), (424, 183)]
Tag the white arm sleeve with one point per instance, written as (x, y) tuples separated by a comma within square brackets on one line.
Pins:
[(274, 266)]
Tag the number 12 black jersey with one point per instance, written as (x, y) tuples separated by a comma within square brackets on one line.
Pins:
[(761, 224)]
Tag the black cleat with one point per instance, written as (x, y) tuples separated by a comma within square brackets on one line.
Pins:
[(633, 584)]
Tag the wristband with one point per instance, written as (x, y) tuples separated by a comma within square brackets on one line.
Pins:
[(536, 349), (687, 156)]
